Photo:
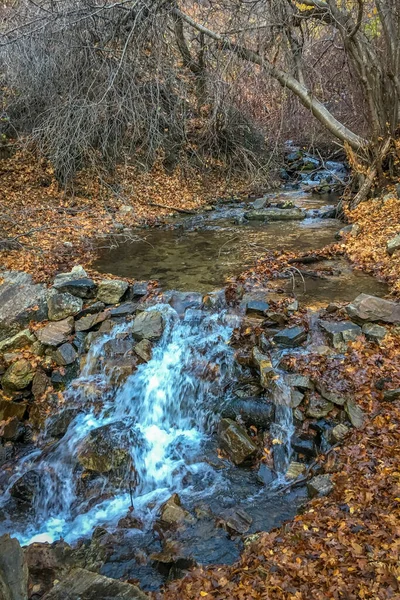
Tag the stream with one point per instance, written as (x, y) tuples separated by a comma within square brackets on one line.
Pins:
[(120, 445)]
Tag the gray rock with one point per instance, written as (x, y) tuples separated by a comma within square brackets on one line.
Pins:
[(236, 520), (398, 190), (295, 469), (296, 398), (61, 306), (148, 325), (393, 244), (82, 288), (250, 411), (140, 289), (24, 490), (172, 514), (291, 337), (40, 383), (65, 355), (370, 308), (57, 426), (104, 449), (77, 272), (303, 446), (340, 333), (86, 585), (144, 350), (235, 441), (339, 432), (18, 376), (391, 395), (321, 485), (181, 301), (355, 413), (12, 409), (56, 332), (259, 203), (331, 395), (318, 407), (13, 570), (374, 332), (123, 310), (17, 341), (21, 301), (344, 231), (276, 214), (111, 290), (257, 307), (90, 321), (303, 382)]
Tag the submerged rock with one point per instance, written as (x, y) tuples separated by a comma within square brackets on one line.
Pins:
[(86, 585), (148, 325), (61, 306), (18, 376), (13, 570), (111, 290), (104, 449), (236, 442), (251, 411), (26, 487), (275, 214), (372, 308)]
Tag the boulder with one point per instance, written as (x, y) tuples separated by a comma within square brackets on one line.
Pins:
[(276, 214), (236, 442), (81, 288), (21, 301), (321, 485), (340, 333), (111, 290), (370, 308), (17, 341), (373, 332), (56, 332), (12, 409), (61, 306), (355, 413), (251, 411), (172, 514), (148, 325), (26, 487), (86, 585), (65, 355), (181, 301), (18, 376), (144, 350), (13, 570), (291, 337), (393, 244), (104, 449)]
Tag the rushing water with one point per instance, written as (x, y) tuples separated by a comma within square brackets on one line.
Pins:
[(160, 415)]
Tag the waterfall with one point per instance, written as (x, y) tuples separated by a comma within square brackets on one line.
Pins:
[(159, 417)]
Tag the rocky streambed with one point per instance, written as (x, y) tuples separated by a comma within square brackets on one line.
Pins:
[(145, 431)]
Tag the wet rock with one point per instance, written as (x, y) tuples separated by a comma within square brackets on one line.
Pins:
[(123, 310), (40, 383), (12, 409), (393, 244), (236, 442), (82, 288), (119, 369), (304, 446), (13, 570), (139, 289), (391, 395), (330, 394), (56, 332), (130, 522), (321, 485), (215, 299), (236, 520), (104, 449), (148, 325), (61, 306), (62, 377), (12, 430), (17, 341), (111, 291), (295, 469), (144, 350), (276, 214), (355, 413), (370, 308), (24, 490), (57, 426), (340, 333), (296, 398), (373, 332), (257, 307), (303, 382), (18, 376), (291, 337), (250, 411), (65, 355), (318, 407), (77, 272), (172, 514), (86, 585), (339, 432), (21, 301), (181, 301), (92, 309), (89, 321)]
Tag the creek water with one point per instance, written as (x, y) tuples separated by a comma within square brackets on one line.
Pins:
[(154, 431)]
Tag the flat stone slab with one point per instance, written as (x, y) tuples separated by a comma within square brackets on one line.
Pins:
[(291, 337), (275, 214), (56, 332), (372, 309), (85, 585)]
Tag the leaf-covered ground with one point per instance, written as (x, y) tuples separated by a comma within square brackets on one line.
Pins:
[(346, 545), (44, 229)]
